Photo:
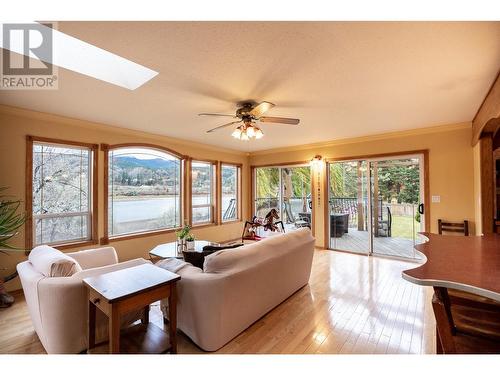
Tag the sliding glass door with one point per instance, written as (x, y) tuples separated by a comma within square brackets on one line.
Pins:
[(348, 209), (396, 207), (286, 189), (376, 205)]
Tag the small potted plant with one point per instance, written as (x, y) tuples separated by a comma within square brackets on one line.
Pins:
[(190, 242)]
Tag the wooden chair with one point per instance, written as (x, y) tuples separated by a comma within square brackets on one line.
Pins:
[(466, 323), (446, 226), (470, 326)]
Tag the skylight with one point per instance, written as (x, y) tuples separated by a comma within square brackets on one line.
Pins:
[(84, 58)]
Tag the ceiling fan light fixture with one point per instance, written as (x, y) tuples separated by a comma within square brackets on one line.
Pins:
[(258, 133), (250, 131), (237, 133), (244, 136)]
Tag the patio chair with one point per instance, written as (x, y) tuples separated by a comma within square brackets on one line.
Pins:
[(385, 226), (304, 220), (230, 212)]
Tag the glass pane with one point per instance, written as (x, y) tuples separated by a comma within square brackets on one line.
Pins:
[(296, 197), (61, 229), (395, 217), (60, 179), (61, 185), (201, 188), (201, 214), (267, 190), (348, 201), (229, 192), (144, 191)]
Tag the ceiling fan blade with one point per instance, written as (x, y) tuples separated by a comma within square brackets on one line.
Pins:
[(280, 120), (216, 114), (223, 126), (261, 108)]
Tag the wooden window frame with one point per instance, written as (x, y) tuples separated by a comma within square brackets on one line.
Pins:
[(106, 148), (215, 193), (239, 203), (94, 149)]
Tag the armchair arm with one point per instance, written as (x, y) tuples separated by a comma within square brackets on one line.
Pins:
[(93, 258)]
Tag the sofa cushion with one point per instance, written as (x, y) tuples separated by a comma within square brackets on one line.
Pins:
[(51, 262), (251, 254)]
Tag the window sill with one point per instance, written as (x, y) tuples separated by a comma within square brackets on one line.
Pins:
[(231, 221), (105, 241), (203, 225), (71, 245)]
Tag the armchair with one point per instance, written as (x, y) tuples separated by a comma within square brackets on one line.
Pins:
[(58, 305)]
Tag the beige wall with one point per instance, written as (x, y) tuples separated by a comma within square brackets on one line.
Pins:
[(451, 170), (15, 124)]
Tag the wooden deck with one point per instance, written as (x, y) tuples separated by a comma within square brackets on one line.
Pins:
[(357, 241)]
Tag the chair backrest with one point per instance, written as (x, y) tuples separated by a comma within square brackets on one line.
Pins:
[(445, 226)]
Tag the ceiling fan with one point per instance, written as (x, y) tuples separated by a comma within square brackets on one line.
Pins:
[(249, 113)]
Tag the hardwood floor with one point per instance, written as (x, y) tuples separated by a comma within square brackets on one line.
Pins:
[(353, 304)]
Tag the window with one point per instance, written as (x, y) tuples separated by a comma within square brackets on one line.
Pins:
[(287, 189), (230, 187), (61, 193), (202, 192), (144, 191)]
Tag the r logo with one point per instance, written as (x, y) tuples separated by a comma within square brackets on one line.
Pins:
[(35, 40)]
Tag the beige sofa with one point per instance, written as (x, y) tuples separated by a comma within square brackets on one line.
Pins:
[(58, 305), (238, 286)]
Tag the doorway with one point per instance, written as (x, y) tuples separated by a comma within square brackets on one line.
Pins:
[(376, 205)]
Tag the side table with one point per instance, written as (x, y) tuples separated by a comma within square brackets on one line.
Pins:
[(119, 292)]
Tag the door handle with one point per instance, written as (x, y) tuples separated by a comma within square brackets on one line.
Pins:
[(421, 208)]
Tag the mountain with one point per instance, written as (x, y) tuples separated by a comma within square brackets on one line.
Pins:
[(127, 162)]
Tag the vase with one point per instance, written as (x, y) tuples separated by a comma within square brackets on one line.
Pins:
[(190, 245), (181, 244)]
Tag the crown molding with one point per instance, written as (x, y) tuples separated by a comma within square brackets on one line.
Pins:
[(50, 117), (368, 138)]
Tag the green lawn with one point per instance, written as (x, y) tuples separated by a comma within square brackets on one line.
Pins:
[(402, 226)]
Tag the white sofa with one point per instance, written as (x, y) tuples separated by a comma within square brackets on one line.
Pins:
[(58, 306), (238, 286)]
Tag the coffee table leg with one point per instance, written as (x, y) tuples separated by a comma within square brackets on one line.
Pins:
[(172, 317), (114, 331), (91, 326), (145, 318)]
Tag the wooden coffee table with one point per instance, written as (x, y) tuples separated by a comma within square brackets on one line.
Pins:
[(196, 256), (119, 292)]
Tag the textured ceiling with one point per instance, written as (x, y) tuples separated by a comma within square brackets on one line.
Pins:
[(342, 79)]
